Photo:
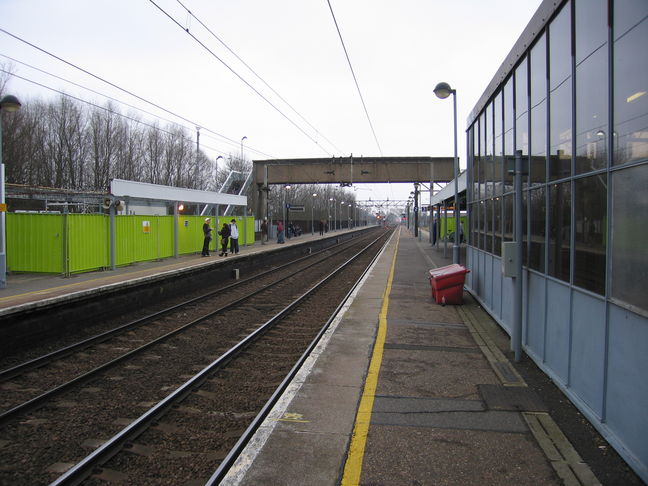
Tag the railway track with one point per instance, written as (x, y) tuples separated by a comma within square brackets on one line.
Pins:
[(148, 381)]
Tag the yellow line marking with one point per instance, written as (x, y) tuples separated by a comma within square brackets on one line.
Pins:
[(353, 466)]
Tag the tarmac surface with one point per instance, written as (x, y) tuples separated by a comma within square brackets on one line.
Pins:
[(400, 390)]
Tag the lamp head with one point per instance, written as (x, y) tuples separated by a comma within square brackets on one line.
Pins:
[(443, 90), (10, 103)]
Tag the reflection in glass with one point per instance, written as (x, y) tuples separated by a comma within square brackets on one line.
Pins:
[(592, 112), (488, 226), (497, 213), (590, 195), (559, 230), (560, 48), (561, 129), (507, 218), (630, 236), (538, 219), (538, 144), (591, 27), (538, 68), (631, 96)]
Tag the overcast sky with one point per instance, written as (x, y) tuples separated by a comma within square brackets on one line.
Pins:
[(399, 51)]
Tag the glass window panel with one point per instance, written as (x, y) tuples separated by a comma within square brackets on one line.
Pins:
[(474, 215), (560, 140), (499, 145), (626, 15), (525, 235), (559, 230), (560, 48), (590, 196), (481, 224), (538, 143), (592, 112), (488, 227), (630, 137), (489, 151), (538, 219), (538, 72), (497, 228), (591, 26), (509, 153), (483, 151), (521, 88), (507, 218), (630, 236)]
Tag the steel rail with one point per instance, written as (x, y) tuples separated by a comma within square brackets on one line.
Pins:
[(37, 401), (79, 472), (17, 370)]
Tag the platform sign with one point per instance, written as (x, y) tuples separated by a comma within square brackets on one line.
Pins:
[(3, 208), (297, 209), (146, 227)]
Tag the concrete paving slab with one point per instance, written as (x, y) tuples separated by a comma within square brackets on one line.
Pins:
[(433, 374), (453, 457), (430, 335)]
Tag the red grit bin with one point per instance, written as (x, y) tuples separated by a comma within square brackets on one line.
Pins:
[(447, 284)]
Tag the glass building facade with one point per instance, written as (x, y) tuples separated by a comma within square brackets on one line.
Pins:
[(572, 96)]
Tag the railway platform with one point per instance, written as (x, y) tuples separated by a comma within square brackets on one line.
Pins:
[(404, 391), (399, 391)]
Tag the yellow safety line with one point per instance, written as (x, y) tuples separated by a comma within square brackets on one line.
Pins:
[(353, 466)]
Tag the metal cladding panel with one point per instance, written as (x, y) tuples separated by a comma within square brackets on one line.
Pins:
[(508, 293), (360, 170), (34, 243), (87, 242), (627, 387), (557, 335), (497, 287), (588, 342), (536, 314), (488, 276)]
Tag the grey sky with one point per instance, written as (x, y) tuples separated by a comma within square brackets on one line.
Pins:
[(399, 51)]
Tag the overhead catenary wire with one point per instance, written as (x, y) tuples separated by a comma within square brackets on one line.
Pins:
[(191, 14), (355, 79), (130, 93), (292, 122)]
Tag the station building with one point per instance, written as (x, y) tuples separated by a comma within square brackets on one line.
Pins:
[(572, 95)]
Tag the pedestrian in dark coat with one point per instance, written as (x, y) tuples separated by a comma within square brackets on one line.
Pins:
[(224, 234), (264, 231), (207, 237)]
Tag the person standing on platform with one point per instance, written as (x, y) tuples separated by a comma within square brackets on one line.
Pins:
[(224, 234), (207, 237), (280, 232), (264, 231), (321, 227), (234, 236)]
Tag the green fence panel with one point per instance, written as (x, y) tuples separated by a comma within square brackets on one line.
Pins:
[(142, 238), (34, 242), (88, 242), (190, 234)]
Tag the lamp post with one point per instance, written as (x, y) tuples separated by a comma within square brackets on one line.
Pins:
[(244, 138), (313, 219), (8, 103), (442, 91), (286, 188)]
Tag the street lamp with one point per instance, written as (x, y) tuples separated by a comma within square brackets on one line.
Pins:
[(244, 138), (8, 103), (341, 204), (334, 207), (442, 91), (313, 219), (286, 188)]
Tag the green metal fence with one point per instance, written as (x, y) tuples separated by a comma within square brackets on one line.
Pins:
[(76, 243)]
